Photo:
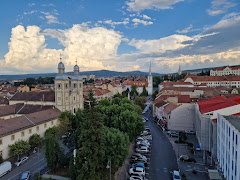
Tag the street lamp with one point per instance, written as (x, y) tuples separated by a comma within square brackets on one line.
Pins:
[(109, 166)]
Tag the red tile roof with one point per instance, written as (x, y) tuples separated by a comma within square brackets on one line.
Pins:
[(216, 103), (34, 96), (137, 83), (26, 121), (170, 107), (196, 78), (230, 67)]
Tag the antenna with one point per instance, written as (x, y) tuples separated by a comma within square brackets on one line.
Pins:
[(76, 61)]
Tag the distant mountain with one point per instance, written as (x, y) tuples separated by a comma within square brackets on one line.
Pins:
[(100, 73)]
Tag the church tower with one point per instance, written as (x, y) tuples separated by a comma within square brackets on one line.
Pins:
[(150, 80), (68, 89), (179, 70)]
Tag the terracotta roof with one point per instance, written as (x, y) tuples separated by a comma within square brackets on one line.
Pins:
[(170, 107), (4, 101), (196, 78), (213, 104), (10, 109), (20, 108), (170, 83), (159, 103), (184, 99), (34, 96), (96, 91), (16, 124), (230, 67), (138, 83)]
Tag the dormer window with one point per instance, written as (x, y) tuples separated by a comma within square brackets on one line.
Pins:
[(66, 85)]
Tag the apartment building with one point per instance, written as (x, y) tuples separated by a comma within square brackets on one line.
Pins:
[(224, 71), (228, 142)]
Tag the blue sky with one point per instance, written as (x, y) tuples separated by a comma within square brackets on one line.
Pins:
[(118, 35)]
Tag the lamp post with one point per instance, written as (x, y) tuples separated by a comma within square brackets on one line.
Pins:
[(109, 166)]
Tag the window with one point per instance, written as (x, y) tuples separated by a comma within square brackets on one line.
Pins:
[(22, 133), (74, 85), (45, 125), (0, 141), (30, 131), (74, 98), (37, 128), (66, 86), (59, 86), (12, 137)]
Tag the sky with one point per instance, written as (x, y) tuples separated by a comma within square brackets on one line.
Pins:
[(119, 35)]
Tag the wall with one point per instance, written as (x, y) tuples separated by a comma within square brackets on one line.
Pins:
[(7, 140)]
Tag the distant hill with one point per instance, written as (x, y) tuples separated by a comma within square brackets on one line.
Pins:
[(100, 73)]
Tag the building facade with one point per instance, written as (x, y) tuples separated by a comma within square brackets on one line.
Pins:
[(224, 71), (68, 90), (228, 142)]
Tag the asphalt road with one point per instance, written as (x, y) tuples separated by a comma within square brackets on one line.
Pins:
[(163, 160), (35, 164)]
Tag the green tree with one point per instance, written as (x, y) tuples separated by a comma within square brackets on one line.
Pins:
[(90, 154), (140, 101), (91, 99), (157, 80), (35, 140), (53, 153), (134, 92), (19, 148), (144, 93)]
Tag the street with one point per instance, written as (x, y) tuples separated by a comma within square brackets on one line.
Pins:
[(35, 164), (163, 159)]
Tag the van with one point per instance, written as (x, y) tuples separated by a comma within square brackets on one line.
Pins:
[(5, 167)]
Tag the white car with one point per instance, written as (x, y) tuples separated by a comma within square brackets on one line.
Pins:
[(136, 177), (21, 161), (176, 175), (145, 142), (143, 149), (137, 170)]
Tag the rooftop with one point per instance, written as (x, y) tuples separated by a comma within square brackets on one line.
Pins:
[(234, 120), (34, 96), (16, 124)]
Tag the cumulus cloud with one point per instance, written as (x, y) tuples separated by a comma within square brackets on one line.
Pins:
[(114, 23), (161, 45), (220, 7), (137, 22), (187, 29), (92, 47), (140, 5)]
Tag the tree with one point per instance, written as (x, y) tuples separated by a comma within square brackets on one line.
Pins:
[(19, 148), (92, 100), (156, 81), (90, 154), (134, 92), (53, 153), (144, 93), (66, 122), (35, 140), (140, 101)]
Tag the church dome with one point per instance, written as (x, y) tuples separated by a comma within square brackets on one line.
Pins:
[(61, 68)]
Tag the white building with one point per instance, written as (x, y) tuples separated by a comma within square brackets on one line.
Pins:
[(22, 127), (228, 142), (68, 90), (224, 71), (214, 81)]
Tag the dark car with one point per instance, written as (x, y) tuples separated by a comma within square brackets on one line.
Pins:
[(25, 175), (186, 158)]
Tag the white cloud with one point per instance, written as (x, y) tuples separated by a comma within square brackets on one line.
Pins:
[(137, 22), (51, 17), (227, 21), (187, 30), (161, 45), (140, 5), (114, 23), (93, 47), (220, 7), (146, 17)]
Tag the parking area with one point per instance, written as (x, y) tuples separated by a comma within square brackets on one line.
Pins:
[(189, 160)]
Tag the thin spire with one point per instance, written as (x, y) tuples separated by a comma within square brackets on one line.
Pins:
[(76, 61), (150, 68), (60, 57)]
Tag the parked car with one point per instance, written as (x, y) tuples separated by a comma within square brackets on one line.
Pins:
[(141, 160), (190, 132), (176, 175), (143, 149), (135, 176), (5, 167), (137, 155), (137, 170), (25, 175), (144, 142), (186, 158), (147, 129), (173, 134), (21, 161)]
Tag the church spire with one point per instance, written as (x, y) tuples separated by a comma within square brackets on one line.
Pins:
[(150, 68), (179, 70)]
